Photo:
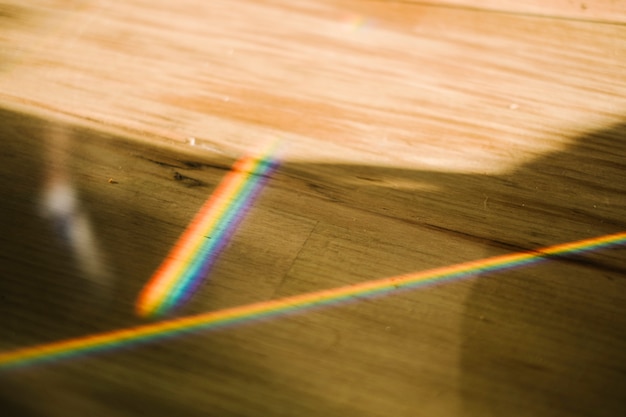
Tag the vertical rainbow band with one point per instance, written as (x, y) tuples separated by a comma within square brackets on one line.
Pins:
[(204, 239)]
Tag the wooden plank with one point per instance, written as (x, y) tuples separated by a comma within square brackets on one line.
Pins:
[(302, 78), (416, 137), (597, 10)]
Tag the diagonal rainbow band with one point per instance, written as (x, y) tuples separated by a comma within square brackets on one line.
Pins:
[(204, 239), (209, 321)]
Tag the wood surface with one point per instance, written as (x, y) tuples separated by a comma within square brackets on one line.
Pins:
[(604, 11), (414, 136)]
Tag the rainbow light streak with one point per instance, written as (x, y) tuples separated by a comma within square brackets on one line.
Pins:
[(266, 309), (200, 245), (354, 22)]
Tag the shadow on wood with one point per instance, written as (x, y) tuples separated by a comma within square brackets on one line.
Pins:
[(546, 339)]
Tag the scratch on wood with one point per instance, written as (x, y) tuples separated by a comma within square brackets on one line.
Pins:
[(295, 258), (188, 181)]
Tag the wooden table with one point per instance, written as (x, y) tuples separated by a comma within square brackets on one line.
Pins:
[(405, 257)]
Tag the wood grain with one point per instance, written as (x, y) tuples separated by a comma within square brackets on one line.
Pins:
[(598, 10), (416, 136)]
